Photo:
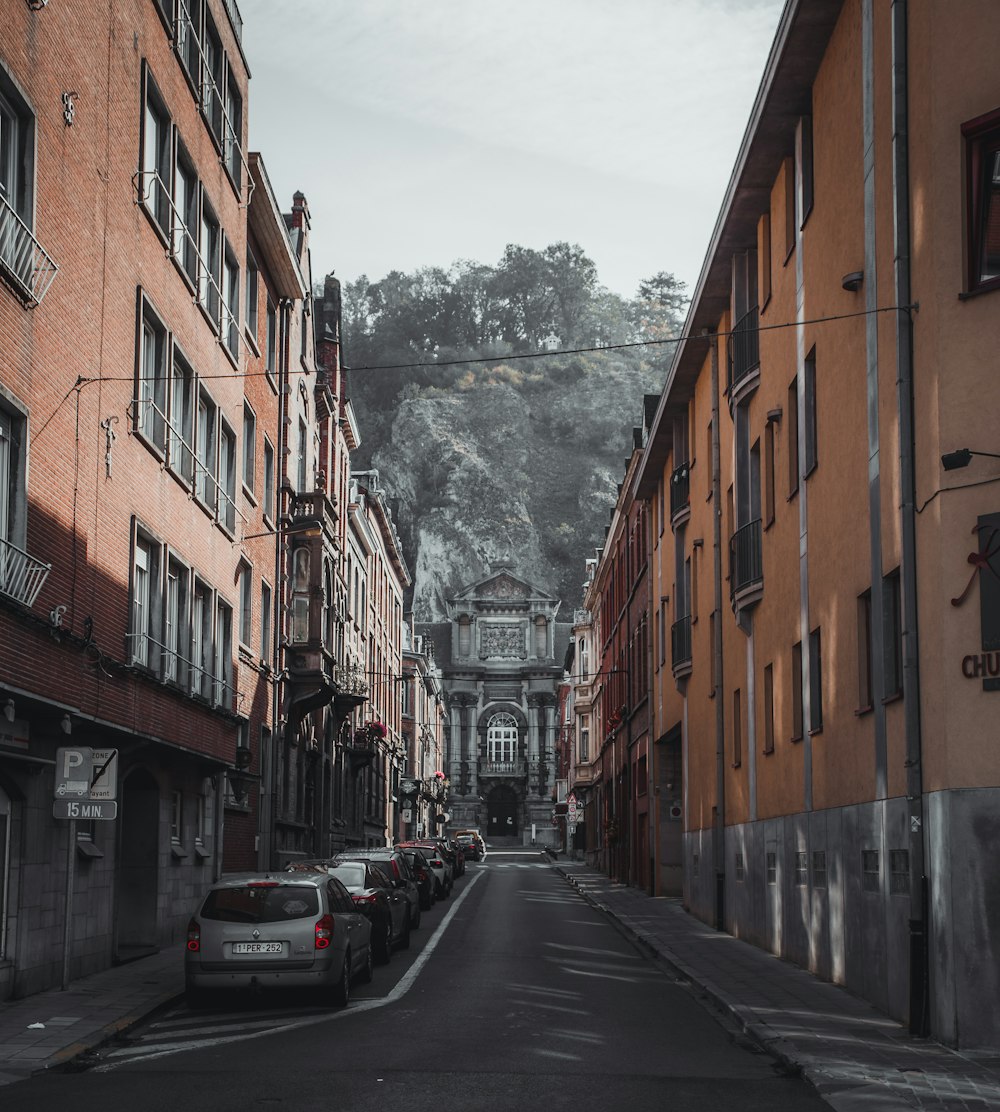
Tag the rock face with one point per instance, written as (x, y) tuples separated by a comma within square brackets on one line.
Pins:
[(512, 463)]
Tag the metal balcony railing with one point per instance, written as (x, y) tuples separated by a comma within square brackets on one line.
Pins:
[(680, 642), (21, 575), (502, 768), (745, 565), (680, 489), (26, 265), (744, 347)]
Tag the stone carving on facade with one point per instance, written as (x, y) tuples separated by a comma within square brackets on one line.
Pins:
[(504, 586), (504, 640)]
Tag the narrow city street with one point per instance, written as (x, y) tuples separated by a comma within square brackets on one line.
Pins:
[(515, 993)]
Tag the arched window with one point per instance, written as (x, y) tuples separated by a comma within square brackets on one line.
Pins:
[(501, 738)]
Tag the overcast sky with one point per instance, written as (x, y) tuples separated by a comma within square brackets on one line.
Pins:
[(425, 132)]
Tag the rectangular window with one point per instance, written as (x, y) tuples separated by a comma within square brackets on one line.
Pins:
[(222, 694), (200, 821), (769, 708), (737, 729), (771, 866), (186, 221), (210, 265), (17, 180), (226, 508), (268, 480), (249, 447), (143, 565), (815, 682), (180, 448), (793, 437), (250, 317), (266, 649), (711, 464), (892, 633), (201, 640), (809, 432), (871, 879), (176, 637), (764, 259), (212, 65), (801, 869), (585, 739), (187, 40), (819, 868), (151, 387), (302, 457), (246, 603), (232, 151), (231, 306), (789, 181), (156, 157), (206, 435), (899, 872), (176, 817), (864, 608), (796, 680), (768, 474), (271, 339), (982, 172)]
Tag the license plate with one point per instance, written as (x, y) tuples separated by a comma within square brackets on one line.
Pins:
[(256, 947)]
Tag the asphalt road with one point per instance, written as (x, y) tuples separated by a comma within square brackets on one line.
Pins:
[(515, 993)]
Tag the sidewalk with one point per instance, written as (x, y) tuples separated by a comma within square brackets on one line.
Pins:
[(858, 1059), (51, 1028)]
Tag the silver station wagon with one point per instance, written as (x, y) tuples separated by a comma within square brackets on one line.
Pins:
[(288, 930)]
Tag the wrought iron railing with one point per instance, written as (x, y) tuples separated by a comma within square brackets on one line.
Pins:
[(680, 488), (26, 265), (502, 768), (680, 642), (21, 575), (745, 563), (744, 347)]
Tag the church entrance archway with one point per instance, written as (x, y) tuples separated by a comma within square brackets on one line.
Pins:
[(502, 806), (138, 871)]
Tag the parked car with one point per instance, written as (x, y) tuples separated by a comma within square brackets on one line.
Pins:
[(387, 907), (472, 844), (423, 875), (397, 869), (458, 855), (299, 930), (443, 875)]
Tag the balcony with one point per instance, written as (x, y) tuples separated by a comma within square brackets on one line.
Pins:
[(680, 494), (746, 569), (25, 265), (21, 575), (680, 646), (503, 768), (744, 357), (313, 506)]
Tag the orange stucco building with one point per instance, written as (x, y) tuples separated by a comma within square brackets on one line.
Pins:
[(833, 685)]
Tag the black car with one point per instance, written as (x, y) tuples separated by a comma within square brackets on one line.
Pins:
[(422, 874), (397, 869)]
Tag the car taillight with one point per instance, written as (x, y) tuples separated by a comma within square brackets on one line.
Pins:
[(361, 898), (324, 932), (194, 936)]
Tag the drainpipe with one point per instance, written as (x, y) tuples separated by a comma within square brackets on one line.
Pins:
[(719, 841), (919, 979)]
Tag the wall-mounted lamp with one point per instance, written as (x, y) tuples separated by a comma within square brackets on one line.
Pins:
[(774, 416), (962, 457), (852, 282), (8, 710), (66, 724)]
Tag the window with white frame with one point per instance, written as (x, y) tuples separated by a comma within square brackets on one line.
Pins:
[(250, 317), (17, 175), (213, 62), (187, 36), (144, 631), (231, 308), (301, 457), (210, 264), (13, 501), (180, 449), (232, 152), (151, 384), (266, 605), (584, 737), (201, 640), (249, 447), (186, 222), (501, 738), (176, 817)]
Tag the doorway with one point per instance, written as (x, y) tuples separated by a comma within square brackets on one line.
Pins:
[(138, 867), (502, 806)]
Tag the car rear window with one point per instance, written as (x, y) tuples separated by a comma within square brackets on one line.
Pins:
[(353, 875), (253, 904)]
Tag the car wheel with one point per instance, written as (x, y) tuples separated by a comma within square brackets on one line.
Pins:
[(366, 974), (342, 989), (384, 942)]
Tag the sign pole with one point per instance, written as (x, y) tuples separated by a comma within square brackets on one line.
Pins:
[(70, 878)]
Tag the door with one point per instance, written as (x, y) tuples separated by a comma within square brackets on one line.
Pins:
[(501, 813), (138, 866)]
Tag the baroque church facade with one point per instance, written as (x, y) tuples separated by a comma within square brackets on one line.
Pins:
[(501, 655)]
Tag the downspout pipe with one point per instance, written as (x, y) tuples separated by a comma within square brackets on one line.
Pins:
[(719, 824), (919, 948)]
